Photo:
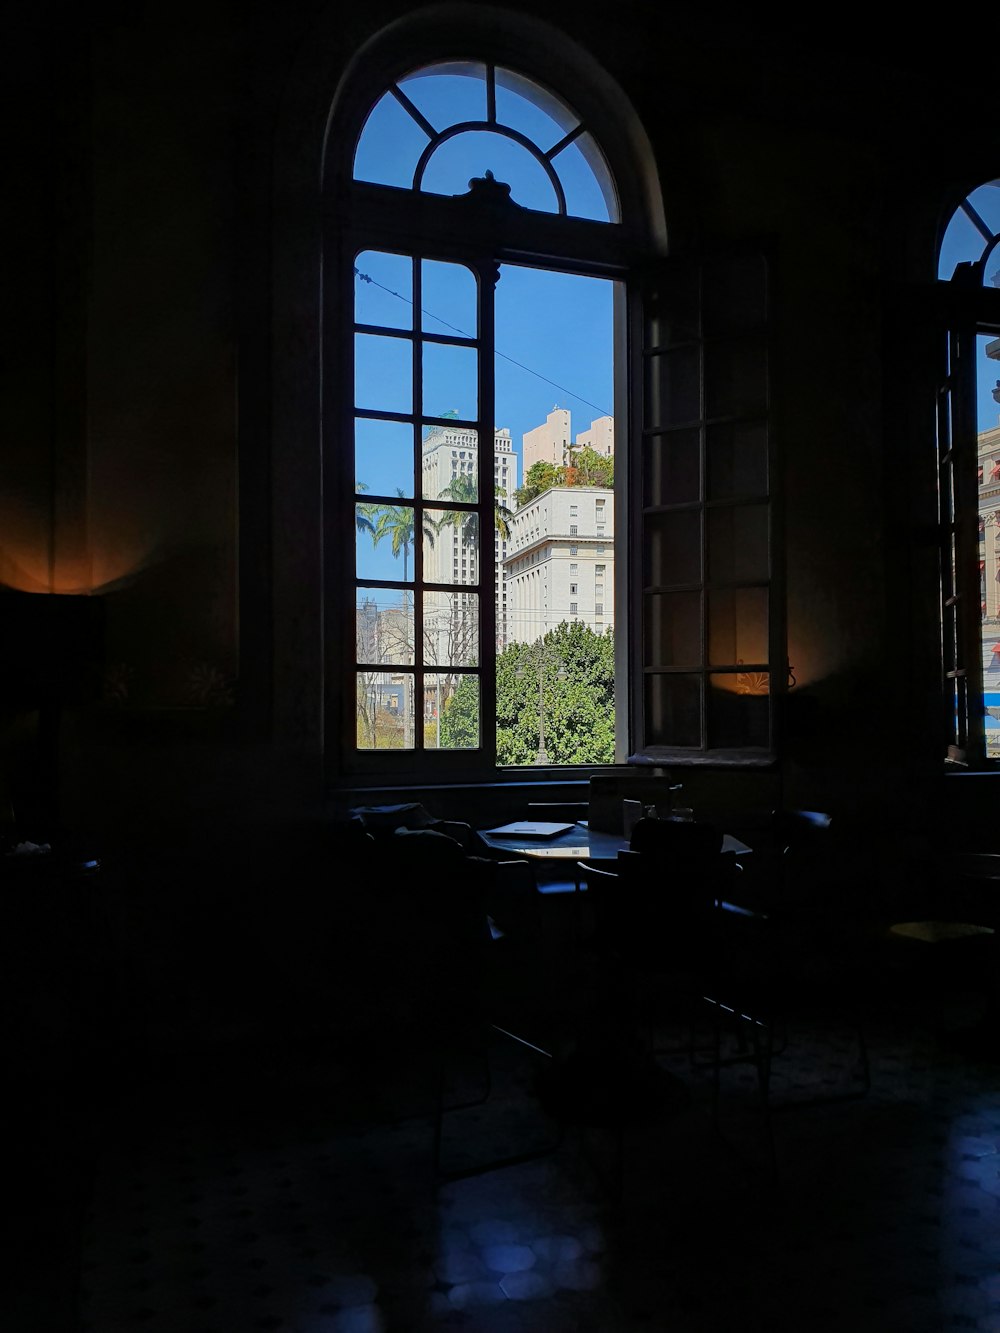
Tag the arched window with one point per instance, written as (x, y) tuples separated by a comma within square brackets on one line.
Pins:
[(968, 437), (546, 447)]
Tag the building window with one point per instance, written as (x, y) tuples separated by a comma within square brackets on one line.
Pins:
[(409, 223), (968, 433)]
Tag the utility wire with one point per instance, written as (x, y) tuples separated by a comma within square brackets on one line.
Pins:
[(462, 333)]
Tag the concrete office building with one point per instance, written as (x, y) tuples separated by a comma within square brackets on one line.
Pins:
[(448, 453), (562, 562), (600, 437), (549, 442)]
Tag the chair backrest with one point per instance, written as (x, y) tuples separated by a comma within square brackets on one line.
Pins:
[(668, 884), (687, 841), (808, 866), (683, 862)]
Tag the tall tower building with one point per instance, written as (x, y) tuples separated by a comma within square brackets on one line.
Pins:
[(549, 442), (450, 453), (600, 437)]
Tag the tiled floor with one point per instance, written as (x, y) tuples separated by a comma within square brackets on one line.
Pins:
[(282, 1194)]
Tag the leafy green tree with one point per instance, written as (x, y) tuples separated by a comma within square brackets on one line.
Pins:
[(579, 710), (541, 476), (460, 716), (589, 468)]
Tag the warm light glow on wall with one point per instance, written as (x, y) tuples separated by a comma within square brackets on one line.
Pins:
[(27, 570)]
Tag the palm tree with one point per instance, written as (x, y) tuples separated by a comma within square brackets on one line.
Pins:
[(463, 489), (365, 515), (396, 523)]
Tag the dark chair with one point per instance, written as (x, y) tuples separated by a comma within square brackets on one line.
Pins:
[(672, 915), (457, 931), (681, 953), (824, 928)]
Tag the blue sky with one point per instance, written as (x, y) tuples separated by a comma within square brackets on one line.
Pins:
[(553, 330)]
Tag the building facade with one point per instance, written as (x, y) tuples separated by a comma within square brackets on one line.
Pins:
[(450, 466), (562, 562), (600, 437), (549, 442)]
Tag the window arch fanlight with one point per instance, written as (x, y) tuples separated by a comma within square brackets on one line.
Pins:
[(466, 201), (438, 115), (968, 442)]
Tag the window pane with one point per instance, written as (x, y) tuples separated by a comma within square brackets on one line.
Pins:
[(673, 710), (450, 464), (451, 712), (673, 388), (672, 548), (383, 373), (383, 456), (737, 626), (585, 197), (737, 460), (385, 542), (451, 629), (448, 94), (736, 378), (390, 145), (384, 627), (451, 546), (384, 710), (470, 155), (448, 298), (518, 111), (738, 709), (737, 543), (383, 289), (450, 380), (673, 629), (671, 468)]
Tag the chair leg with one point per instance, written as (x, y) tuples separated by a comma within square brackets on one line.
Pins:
[(493, 1164)]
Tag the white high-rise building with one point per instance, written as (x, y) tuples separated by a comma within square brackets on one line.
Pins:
[(450, 453), (562, 562)]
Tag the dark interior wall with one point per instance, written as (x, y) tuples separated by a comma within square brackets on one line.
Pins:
[(162, 359), (146, 426)]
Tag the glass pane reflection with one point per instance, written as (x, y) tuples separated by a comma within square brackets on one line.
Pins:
[(384, 710), (451, 711), (673, 710), (451, 629)]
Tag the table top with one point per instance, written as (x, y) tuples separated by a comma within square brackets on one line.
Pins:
[(580, 844)]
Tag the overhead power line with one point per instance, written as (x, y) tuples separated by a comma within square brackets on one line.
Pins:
[(464, 334)]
